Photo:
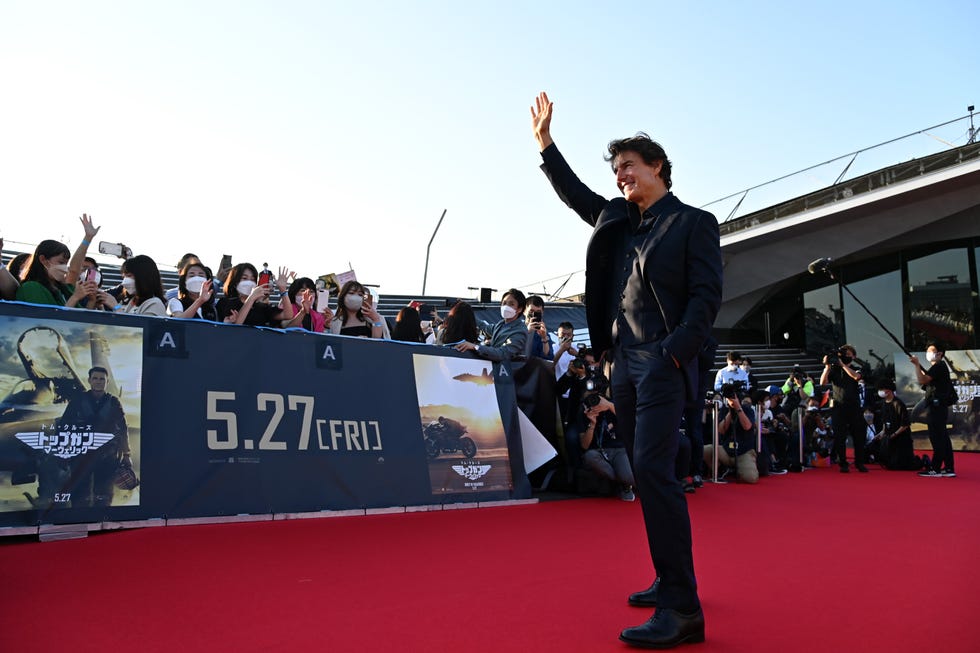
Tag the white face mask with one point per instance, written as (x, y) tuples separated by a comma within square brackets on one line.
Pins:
[(59, 270), (353, 302), (245, 287), (129, 285), (507, 312), (194, 284), (931, 356), (881, 393)]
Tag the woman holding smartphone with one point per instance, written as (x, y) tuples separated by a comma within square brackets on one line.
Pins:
[(247, 302), (356, 314), (50, 276), (142, 288)]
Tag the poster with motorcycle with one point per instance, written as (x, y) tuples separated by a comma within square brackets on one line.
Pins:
[(964, 415), (70, 415), (462, 429)]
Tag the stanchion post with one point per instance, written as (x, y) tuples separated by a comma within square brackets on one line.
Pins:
[(713, 411), (802, 462)]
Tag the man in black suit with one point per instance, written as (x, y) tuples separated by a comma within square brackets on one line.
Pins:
[(653, 288)]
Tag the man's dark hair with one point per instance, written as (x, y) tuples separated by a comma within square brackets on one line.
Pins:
[(850, 348), (649, 150), (939, 347), (518, 297), (733, 356), (566, 325), (535, 301), (95, 264), (98, 369)]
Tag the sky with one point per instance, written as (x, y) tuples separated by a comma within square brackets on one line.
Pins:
[(327, 135)]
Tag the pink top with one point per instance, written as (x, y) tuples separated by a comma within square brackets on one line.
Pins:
[(317, 321)]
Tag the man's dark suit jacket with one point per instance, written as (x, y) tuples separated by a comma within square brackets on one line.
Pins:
[(680, 260)]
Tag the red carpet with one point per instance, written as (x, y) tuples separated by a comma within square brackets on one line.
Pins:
[(817, 561)]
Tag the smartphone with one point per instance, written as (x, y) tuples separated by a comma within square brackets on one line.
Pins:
[(322, 299), (112, 249), (225, 262), (265, 277)]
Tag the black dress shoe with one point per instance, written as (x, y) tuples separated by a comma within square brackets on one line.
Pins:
[(667, 628), (861, 468), (647, 598)]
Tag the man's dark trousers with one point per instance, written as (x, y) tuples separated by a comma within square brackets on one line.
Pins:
[(648, 392), (848, 420), (942, 447)]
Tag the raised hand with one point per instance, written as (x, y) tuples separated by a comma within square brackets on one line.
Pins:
[(306, 299), (541, 120), (90, 229), (207, 290), (282, 281)]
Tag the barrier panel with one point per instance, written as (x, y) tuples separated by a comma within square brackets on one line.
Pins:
[(224, 420)]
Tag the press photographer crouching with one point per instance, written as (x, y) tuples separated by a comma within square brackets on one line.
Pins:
[(892, 445), (605, 453), (737, 436), (573, 383)]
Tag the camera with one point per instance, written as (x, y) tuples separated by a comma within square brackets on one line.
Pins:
[(595, 387), (732, 390)]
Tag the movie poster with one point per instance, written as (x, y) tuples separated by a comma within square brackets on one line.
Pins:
[(462, 430), (964, 416), (63, 432)]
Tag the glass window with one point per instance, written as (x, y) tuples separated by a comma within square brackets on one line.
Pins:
[(823, 319), (940, 300), (883, 297)]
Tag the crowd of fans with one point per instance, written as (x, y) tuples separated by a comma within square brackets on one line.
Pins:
[(760, 431)]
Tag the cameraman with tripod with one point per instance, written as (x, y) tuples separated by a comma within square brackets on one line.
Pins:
[(847, 418)]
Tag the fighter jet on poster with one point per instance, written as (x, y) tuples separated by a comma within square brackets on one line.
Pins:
[(40, 398)]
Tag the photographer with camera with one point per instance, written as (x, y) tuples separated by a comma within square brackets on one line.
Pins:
[(736, 422), (566, 351), (605, 453), (797, 389), (732, 372), (843, 375), (571, 387), (541, 345)]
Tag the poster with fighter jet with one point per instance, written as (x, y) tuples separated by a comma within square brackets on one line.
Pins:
[(462, 430), (69, 414)]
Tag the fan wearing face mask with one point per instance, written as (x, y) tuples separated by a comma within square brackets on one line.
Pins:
[(195, 294), (142, 288), (357, 315), (247, 302), (49, 277), (508, 336)]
